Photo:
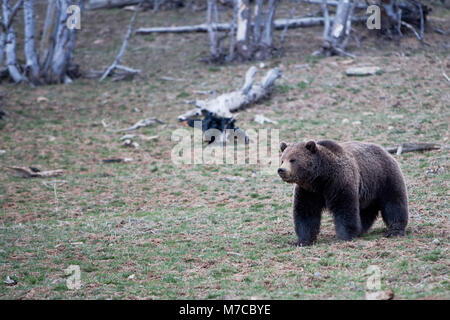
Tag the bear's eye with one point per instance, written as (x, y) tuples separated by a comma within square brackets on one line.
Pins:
[(292, 160)]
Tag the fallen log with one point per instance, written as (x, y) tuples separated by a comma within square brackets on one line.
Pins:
[(279, 24), (223, 105), (31, 172), (107, 4), (412, 147)]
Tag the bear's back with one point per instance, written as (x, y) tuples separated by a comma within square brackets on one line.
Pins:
[(377, 168)]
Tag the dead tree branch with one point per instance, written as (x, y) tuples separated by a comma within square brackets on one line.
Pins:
[(412, 147), (279, 24), (124, 46), (223, 105)]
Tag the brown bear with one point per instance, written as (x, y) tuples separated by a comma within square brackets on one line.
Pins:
[(353, 180)]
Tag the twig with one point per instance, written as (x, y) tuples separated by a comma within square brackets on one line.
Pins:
[(53, 185), (410, 27), (445, 76)]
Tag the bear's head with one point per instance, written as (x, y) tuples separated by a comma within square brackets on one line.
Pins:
[(299, 162)]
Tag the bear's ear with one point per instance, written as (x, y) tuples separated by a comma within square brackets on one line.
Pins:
[(311, 146), (283, 145)]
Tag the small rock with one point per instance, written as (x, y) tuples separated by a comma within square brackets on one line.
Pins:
[(362, 71), (317, 274), (356, 123), (345, 121), (348, 61), (128, 137), (41, 99), (436, 242), (233, 179), (262, 65), (131, 277), (2, 152), (380, 295)]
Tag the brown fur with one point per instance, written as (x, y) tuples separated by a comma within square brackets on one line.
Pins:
[(354, 180)]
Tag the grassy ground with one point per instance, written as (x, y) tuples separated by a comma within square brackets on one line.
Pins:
[(192, 231)]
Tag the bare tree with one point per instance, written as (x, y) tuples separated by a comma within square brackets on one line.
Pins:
[(32, 64), (9, 37), (336, 35), (54, 64), (257, 44)]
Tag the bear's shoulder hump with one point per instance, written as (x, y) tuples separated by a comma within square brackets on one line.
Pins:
[(331, 145)]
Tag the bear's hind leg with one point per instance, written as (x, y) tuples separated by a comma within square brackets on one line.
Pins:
[(395, 216), (368, 217), (307, 214)]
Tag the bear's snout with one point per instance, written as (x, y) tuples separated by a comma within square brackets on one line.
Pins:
[(281, 171)]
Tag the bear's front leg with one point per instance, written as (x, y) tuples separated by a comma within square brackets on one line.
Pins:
[(308, 208), (345, 208)]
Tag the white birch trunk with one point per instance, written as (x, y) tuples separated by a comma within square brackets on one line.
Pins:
[(32, 64), (2, 47), (268, 30), (243, 45), (258, 18), (211, 31), (64, 44), (10, 47), (336, 39), (47, 42)]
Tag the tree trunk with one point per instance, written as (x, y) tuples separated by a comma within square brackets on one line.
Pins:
[(10, 47), (2, 47), (47, 40), (258, 19), (335, 40), (266, 44), (58, 66), (32, 64), (243, 45), (214, 49)]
